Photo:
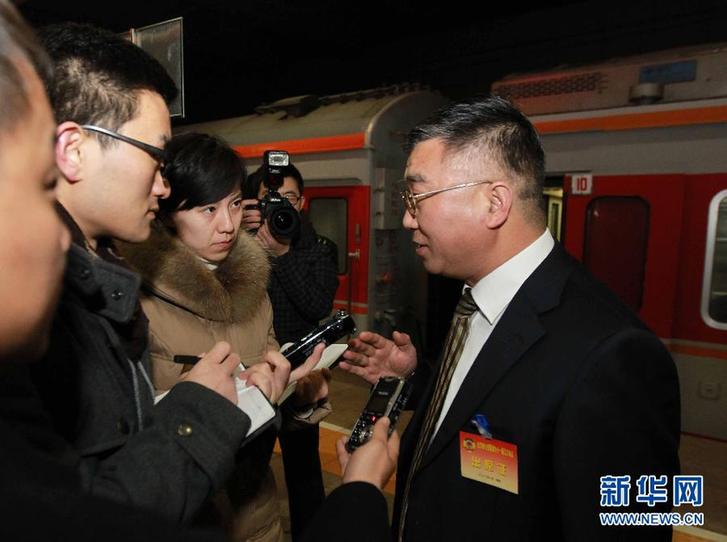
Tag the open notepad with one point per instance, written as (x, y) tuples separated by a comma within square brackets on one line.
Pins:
[(254, 403)]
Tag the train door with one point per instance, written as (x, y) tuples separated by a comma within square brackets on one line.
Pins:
[(700, 326), (702, 293), (627, 231), (342, 214)]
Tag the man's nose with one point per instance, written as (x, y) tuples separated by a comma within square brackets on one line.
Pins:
[(161, 187), (408, 221)]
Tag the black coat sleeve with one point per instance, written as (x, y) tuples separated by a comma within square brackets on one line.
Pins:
[(622, 417), (353, 512), (172, 466)]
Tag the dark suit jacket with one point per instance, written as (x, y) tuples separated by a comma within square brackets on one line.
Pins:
[(582, 388)]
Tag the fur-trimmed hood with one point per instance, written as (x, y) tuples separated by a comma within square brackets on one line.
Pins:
[(231, 293)]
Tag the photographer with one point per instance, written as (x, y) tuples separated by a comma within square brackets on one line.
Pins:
[(303, 283)]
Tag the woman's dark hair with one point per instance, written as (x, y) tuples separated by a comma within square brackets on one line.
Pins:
[(201, 169)]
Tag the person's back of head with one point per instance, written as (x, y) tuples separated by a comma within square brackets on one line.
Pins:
[(32, 240), (18, 45)]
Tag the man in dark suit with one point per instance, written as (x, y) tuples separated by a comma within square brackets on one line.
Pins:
[(552, 385)]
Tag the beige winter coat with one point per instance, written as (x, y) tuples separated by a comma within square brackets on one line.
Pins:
[(190, 308)]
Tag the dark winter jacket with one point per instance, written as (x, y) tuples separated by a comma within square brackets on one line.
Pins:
[(41, 496), (94, 382)]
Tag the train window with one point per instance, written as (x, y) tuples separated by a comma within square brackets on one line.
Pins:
[(621, 265), (714, 289), (330, 218)]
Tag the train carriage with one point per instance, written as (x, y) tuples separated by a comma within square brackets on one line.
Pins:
[(636, 153)]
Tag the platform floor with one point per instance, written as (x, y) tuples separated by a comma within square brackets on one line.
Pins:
[(348, 395)]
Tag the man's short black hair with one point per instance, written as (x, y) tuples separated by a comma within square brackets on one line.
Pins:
[(496, 128), (17, 44), (252, 186), (98, 74), (201, 169)]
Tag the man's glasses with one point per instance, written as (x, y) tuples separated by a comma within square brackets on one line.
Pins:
[(411, 199), (155, 152), (292, 198)]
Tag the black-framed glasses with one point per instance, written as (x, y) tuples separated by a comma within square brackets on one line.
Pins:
[(411, 199), (292, 198), (156, 153)]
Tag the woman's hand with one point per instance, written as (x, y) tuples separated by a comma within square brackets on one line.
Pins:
[(273, 375), (215, 371)]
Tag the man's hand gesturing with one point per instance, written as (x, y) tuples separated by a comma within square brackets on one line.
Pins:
[(372, 356)]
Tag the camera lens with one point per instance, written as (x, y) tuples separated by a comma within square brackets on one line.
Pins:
[(284, 222)]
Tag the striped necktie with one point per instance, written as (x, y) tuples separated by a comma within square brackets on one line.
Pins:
[(458, 331)]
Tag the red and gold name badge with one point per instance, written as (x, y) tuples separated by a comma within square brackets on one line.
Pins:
[(492, 462)]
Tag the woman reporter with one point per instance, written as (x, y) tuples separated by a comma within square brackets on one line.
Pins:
[(204, 283)]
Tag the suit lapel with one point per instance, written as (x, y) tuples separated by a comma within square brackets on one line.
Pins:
[(516, 332), (518, 329)]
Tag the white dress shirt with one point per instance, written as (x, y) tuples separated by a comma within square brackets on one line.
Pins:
[(493, 294)]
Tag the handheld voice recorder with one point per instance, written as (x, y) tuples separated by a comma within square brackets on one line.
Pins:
[(388, 398)]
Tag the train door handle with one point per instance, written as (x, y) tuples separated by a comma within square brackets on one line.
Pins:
[(356, 254)]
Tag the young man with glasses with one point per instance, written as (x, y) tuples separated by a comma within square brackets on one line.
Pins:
[(110, 102), (547, 382), (41, 497), (303, 283)]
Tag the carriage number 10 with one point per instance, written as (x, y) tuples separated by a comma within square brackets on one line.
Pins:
[(582, 183)]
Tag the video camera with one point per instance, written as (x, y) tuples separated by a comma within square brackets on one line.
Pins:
[(282, 218)]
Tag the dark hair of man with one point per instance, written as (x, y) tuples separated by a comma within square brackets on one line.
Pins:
[(97, 76), (252, 187), (201, 169), (17, 44), (493, 126)]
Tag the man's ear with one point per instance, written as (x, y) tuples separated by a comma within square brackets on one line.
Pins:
[(501, 198), (69, 158), (302, 202)]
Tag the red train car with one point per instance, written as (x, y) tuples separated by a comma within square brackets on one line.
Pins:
[(636, 154)]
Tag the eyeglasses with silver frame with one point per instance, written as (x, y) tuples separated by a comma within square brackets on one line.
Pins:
[(411, 199)]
